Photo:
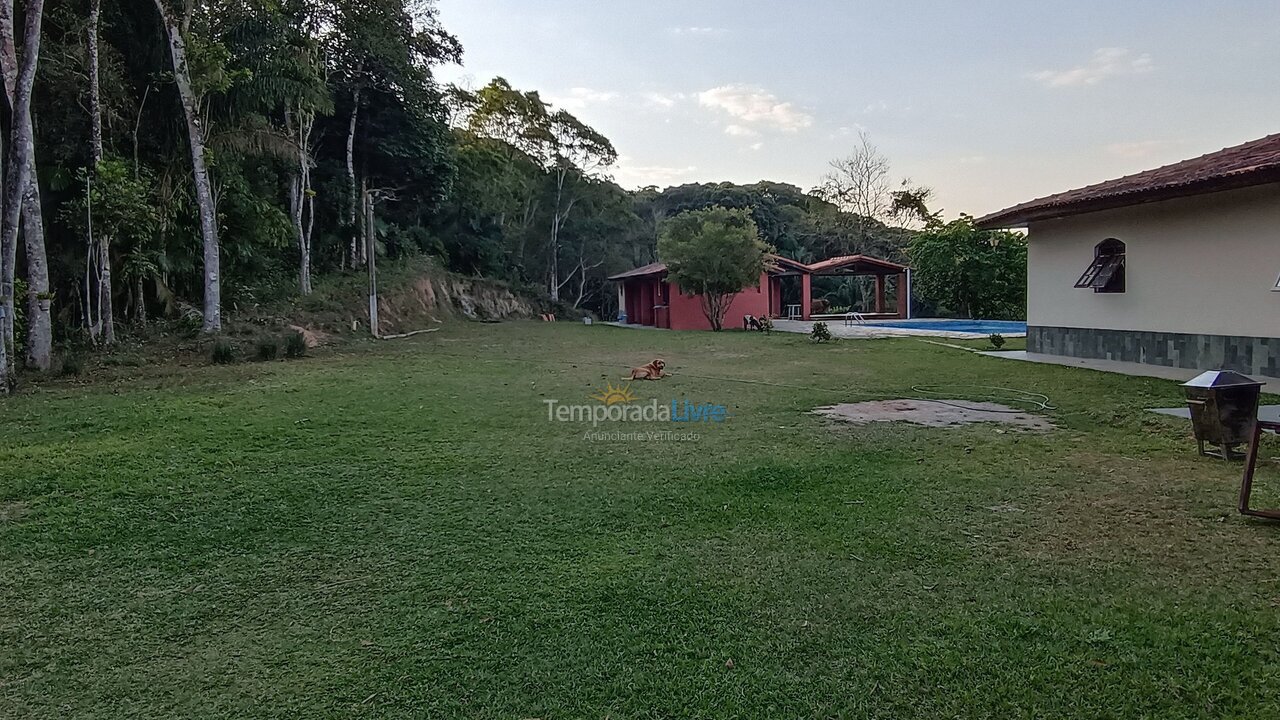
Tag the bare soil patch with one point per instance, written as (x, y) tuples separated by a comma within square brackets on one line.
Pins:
[(934, 413)]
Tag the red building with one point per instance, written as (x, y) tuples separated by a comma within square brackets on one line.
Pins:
[(647, 297)]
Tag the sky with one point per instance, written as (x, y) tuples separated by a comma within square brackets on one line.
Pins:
[(989, 102)]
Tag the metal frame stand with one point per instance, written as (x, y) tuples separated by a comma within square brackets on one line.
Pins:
[(1250, 462)]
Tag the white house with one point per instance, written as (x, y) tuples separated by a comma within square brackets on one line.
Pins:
[(1177, 266)]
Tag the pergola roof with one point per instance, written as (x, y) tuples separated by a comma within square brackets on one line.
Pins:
[(782, 264), (856, 265), (779, 265)]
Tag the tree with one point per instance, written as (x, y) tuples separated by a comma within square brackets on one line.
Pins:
[(123, 211), (176, 29), (910, 205), (39, 321), (715, 253), (578, 152), (859, 184), (20, 154), (99, 310), (387, 47), (571, 153), (971, 272)]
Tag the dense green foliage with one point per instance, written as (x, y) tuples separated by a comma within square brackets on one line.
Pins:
[(716, 253), (399, 532), (971, 273), (326, 134)]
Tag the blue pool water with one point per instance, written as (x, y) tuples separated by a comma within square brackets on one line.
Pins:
[(985, 327)]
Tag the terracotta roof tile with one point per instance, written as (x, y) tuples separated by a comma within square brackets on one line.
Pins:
[(650, 269)]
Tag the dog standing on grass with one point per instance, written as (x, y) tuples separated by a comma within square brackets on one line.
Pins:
[(652, 371)]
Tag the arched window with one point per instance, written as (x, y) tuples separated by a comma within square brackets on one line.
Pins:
[(1106, 272)]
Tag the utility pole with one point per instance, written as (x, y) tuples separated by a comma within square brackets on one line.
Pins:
[(371, 199), (371, 263)]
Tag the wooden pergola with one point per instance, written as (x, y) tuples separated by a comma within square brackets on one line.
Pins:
[(846, 266)]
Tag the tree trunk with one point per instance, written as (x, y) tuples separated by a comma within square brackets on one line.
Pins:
[(39, 320), (95, 97), (204, 189), (39, 301), (140, 301), (554, 259), (106, 309), (300, 199), (351, 173), (21, 151), (366, 224), (371, 263), (103, 326)]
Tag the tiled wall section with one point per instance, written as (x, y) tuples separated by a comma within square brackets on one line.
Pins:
[(1250, 355)]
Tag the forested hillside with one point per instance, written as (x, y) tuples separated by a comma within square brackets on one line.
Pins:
[(189, 158)]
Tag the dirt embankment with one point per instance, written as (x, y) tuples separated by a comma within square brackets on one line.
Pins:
[(411, 297), (436, 298)]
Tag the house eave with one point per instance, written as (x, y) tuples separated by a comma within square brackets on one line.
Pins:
[(1023, 215)]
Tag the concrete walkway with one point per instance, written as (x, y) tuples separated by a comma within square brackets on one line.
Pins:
[(1123, 368), (868, 331)]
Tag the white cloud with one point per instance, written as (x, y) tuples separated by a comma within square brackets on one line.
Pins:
[(1139, 149), (629, 175), (752, 105), (846, 130), (757, 146), (697, 31), (1105, 63), (579, 98), (663, 100), (740, 131)]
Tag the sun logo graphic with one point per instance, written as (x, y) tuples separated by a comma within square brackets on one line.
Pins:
[(611, 395)]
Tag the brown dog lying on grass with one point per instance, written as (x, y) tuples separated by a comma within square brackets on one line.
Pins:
[(652, 371)]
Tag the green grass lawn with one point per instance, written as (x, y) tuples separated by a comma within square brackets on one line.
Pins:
[(398, 531)]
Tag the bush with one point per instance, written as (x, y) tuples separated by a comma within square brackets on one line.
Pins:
[(268, 349), (820, 332), (224, 353), (997, 340), (295, 346), (765, 324)]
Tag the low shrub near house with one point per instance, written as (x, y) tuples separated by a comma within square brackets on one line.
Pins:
[(223, 353), (295, 346), (268, 348), (820, 333), (997, 340)]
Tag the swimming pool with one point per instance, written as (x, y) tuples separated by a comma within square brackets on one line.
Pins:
[(978, 327)]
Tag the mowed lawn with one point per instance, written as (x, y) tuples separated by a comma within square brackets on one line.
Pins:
[(397, 530)]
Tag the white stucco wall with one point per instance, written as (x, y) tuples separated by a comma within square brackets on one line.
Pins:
[(1204, 265)]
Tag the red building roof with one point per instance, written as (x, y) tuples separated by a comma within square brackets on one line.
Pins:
[(650, 269), (1253, 163)]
